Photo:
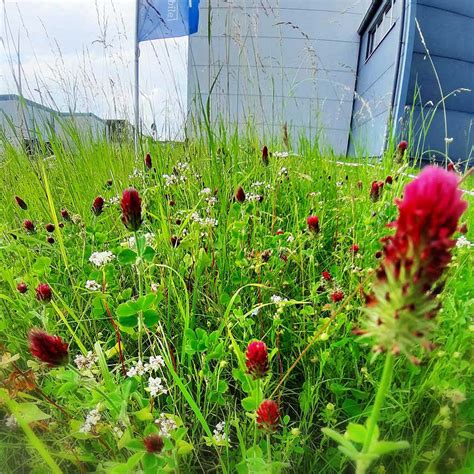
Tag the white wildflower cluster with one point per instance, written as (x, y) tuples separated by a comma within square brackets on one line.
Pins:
[(85, 361), (92, 419), (462, 242), (155, 287), (278, 300), (281, 154), (92, 285), (156, 387), (76, 218), (119, 429), (114, 199), (154, 363), (10, 421), (166, 425), (172, 179), (136, 173), (261, 185), (204, 221), (205, 192), (182, 166), (254, 197), (283, 171), (101, 258), (219, 433), (149, 240)]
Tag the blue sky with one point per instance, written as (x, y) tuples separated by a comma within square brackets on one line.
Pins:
[(78, 55)]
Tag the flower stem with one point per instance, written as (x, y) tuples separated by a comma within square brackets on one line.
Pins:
[(384, 385), (269, 449)]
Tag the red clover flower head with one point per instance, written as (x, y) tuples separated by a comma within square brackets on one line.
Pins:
[(22, 287), (376, 190), (44, 293), (313, 224), (268, 415), (131, 209), (240, 194), (28, 225), (148, 163), (98, 205), (257, 359), (404, 299), (265, 155), (153, 443), (47, 348), (21, 203)]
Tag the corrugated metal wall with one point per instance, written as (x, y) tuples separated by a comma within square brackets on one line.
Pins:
[(279, 61), (375, 87), (448, 31)]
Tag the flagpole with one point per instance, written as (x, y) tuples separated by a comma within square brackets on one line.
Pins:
[(136, 135)]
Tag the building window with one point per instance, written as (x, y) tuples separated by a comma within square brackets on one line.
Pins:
[(382, 25)]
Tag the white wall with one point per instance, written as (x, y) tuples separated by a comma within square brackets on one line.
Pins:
[(278, 61)]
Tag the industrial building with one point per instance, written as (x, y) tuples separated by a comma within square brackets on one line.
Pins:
[(348, 73)]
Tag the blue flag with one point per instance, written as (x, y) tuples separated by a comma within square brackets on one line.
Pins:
[(159, 19)]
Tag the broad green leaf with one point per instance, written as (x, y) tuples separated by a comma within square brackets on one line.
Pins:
[(129, 321), (126, 257), (150, 317), (356, 432), (148, 254), (127, 309), (339, 438), (184, 447), (384, 447), (250, 404), (29, 413)]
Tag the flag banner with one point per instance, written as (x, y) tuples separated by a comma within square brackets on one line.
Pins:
[(158, 19)]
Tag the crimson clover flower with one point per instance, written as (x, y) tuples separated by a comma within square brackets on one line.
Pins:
[(131, 209), (354, 248), (47, 348), (404, 302), (337, 296), (28, 225), (265, 155), (153, 443), (44, 293), (49, 227), (257, 359), (402, 146), (388, 180), (326, 275), (98, 205), (22, 287), (148, 163), (268, 415), (240, 194), (313, 223), (376, 190), (22, 204), (65, 214)]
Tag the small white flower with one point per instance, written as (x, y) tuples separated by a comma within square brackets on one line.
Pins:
[(91, 421), (283, 171), (219, 433), (149, 240), (276, 299), (449, 140), (101, 258), (165, 425), (290, 238), (462, 242), (85, 362), (206, 192), (139, 370), (92, 285), (114, 199), (281, 154), (10, 422), (154, 363), (155, 386), (155, 287)]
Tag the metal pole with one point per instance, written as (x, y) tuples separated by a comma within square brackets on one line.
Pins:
[(136, 135)]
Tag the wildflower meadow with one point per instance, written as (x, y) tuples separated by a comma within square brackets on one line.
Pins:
[(228, 305)]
